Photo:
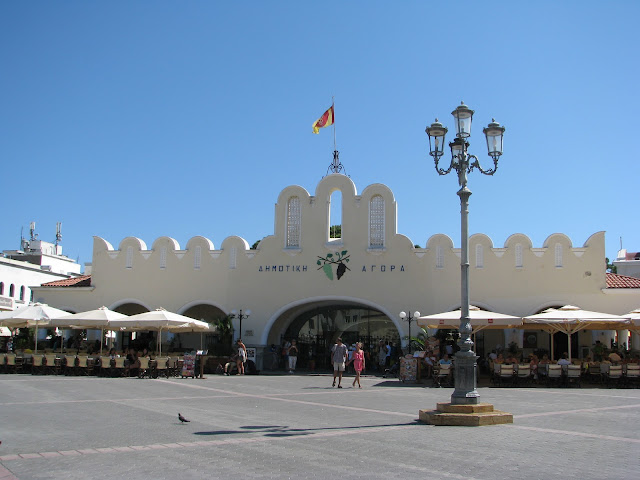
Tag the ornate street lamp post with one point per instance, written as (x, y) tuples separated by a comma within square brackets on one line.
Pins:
[(239, 315), (465, 392), (409, 318)]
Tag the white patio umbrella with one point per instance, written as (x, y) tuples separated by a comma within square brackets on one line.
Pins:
[(193, 326), (571, 319), (480, 320), (159, 320), (99, 318), (634, 320), (33, 315)]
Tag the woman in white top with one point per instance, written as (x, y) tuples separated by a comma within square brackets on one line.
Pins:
[(242, 356)]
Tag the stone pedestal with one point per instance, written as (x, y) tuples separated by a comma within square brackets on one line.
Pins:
[(465, 415)]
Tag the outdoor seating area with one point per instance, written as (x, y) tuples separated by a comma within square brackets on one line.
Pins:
[(83, 364), (556, 375)]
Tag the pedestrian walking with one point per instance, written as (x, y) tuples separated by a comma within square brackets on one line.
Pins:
[(339, 354), (293, 356), (242, 356), (358, 363)]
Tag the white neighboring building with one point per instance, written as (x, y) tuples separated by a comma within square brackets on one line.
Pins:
[(628, 263), (37, 262)]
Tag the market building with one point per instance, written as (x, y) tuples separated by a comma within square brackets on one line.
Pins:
[(311, 282)]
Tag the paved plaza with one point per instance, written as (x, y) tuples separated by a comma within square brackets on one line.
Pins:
[(297, 426)]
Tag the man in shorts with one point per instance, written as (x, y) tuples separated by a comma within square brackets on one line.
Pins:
[(339, 354)]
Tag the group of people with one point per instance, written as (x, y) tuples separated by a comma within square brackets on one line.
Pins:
[(238, 359), (340, 360)]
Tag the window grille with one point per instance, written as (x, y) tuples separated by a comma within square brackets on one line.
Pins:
[(163, 257), (558, 255), (233, 258), (376, 222), (293, 222), (129, 259), (197, 257), (519, 255), (439, 257), (479, 256)]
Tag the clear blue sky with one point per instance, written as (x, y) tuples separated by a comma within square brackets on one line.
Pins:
[(188, 118)]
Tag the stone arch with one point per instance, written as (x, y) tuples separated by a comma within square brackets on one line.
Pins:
[(202, 309), (280, 320), (129, 306), (317, 322)]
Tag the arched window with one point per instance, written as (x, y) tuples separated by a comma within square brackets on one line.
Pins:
[(558, 255), (12, 290), (439, 257), (293, 222), (22, 292), (479, 256), (163, 257), (376, 222), (197, 257), (129, 259), (1, 288), (518, 255)]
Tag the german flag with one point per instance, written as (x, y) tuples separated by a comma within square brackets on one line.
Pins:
[(325, 120)]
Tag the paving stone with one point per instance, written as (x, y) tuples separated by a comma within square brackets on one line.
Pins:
[(297, 426)]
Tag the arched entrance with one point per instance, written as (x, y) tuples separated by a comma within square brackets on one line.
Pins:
[(317, 325), (216, 343), (137, 340)]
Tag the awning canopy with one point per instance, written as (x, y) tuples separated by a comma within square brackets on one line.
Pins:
[(571, 319), (480, 320)]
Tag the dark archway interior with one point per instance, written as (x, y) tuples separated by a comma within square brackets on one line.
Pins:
[(317, 326), (130, 309)]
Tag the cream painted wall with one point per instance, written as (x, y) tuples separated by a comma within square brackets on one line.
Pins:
[(274, 279)]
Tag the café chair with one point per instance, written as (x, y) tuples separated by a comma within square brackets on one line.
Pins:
[(52, 363), (614, 376), (70, 364), (524, 374), (632, 375), (37, 364), (574, 375), (554, 374)]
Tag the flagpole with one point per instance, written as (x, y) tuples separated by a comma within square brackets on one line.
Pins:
[(333, 108)]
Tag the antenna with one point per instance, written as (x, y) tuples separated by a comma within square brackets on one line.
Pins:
[(58, 234), (32, 230), (620, 243)]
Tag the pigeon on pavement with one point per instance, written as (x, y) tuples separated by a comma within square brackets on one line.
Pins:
[(182, 419)]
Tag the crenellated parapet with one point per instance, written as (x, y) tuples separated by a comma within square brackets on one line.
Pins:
[(518, 252), (368, 249)]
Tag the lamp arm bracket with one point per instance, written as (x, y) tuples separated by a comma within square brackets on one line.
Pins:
[(476, 164), (442, 171)]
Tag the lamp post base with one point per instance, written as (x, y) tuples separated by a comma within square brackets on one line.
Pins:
[(465, 392), (477, 415)]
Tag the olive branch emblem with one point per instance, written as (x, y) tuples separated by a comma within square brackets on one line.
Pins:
[(337, 258)]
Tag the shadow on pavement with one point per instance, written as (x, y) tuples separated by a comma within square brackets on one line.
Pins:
[(285, 431)]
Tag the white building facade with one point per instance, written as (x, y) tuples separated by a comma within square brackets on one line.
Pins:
[(37, 262), (302, 283)]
